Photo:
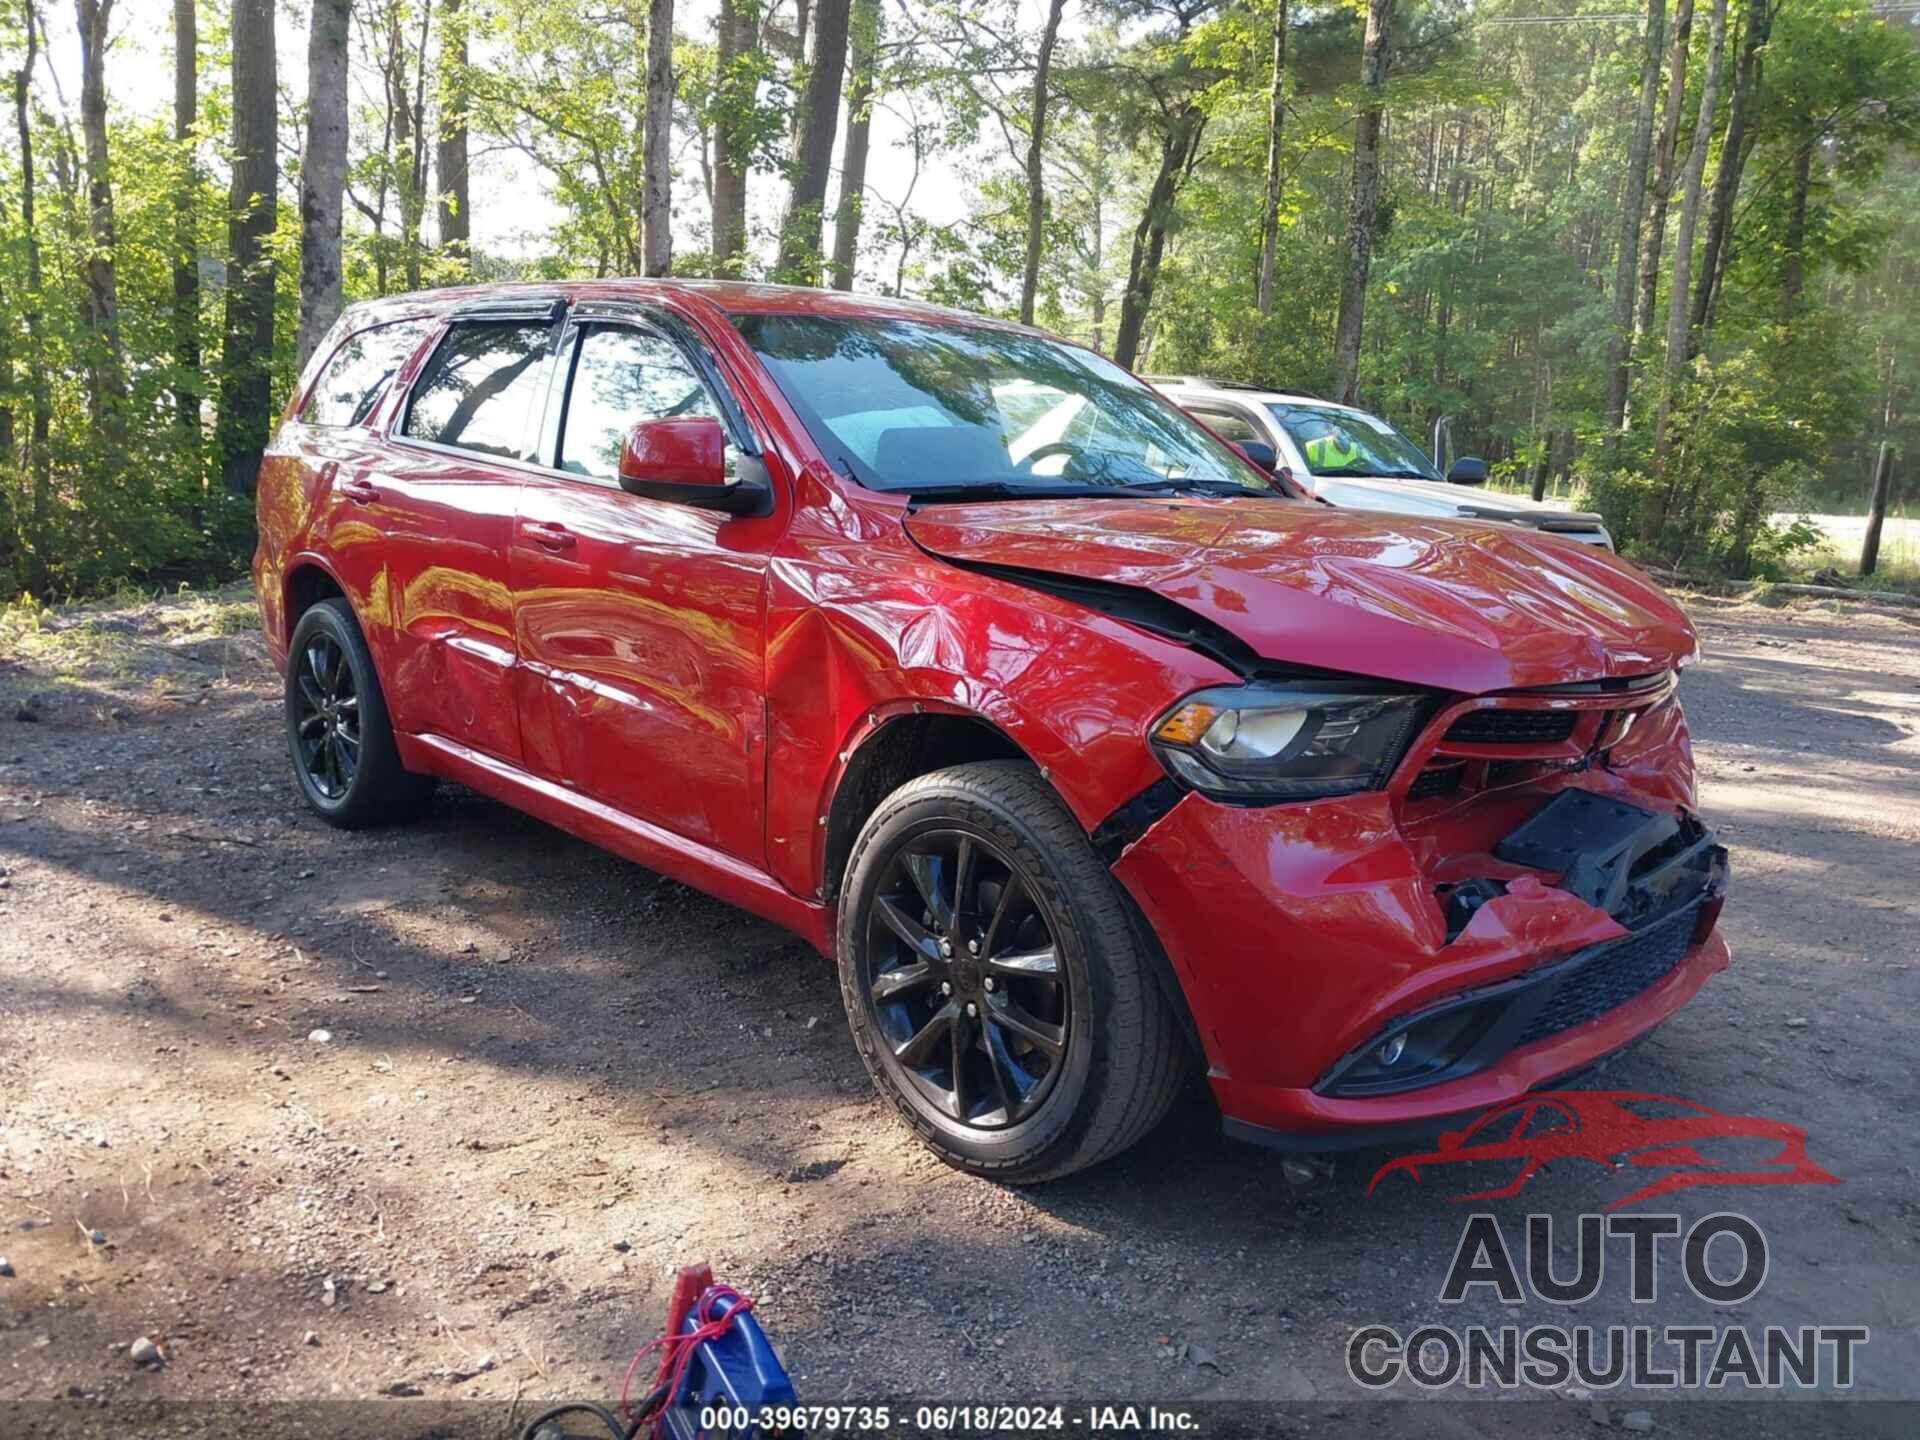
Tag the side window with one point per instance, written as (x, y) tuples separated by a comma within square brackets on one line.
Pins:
[(621, 377), (1229, 426), (478, 390), (357, 375)]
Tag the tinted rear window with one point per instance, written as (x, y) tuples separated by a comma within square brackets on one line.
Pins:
[(357, 375), (479, 389)]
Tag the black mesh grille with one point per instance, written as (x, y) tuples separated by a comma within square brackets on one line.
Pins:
[(1614, 976), (1435, 780), (1513, 727)]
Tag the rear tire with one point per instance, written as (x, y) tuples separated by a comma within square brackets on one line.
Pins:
[(996, 986), (338, 733)]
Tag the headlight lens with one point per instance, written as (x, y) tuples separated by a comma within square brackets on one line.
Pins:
[(1269, 742)]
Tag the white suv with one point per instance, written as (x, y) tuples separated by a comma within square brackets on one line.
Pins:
[(1358, 461)]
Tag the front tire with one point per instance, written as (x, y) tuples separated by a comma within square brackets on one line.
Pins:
[(997, 989), (341, 740)]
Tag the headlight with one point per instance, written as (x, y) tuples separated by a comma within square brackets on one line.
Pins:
[(1268, 742)]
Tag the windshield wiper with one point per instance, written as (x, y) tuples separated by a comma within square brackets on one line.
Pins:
[(995, 490), (1225, 488)]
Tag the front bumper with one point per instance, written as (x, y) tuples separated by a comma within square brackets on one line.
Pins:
[(1303, 935), (1306, 1121)]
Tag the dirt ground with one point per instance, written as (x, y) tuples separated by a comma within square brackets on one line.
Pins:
[(549, 1078)]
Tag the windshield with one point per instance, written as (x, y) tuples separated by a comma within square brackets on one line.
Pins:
[(984, 413), (1352, 442)]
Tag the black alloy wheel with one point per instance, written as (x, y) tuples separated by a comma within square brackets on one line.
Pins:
[(1001, 991), (326, 718), (338, 733), (963, 979)]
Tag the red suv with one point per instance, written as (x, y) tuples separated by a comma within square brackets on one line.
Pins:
[(1083, 750)]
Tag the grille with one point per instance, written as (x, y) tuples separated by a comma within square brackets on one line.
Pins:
[(1435, 780), (1614, 976), (1513, 727)]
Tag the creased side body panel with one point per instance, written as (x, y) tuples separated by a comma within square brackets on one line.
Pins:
[(862, 628)]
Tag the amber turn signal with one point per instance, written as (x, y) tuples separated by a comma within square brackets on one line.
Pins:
[(1187, 724)]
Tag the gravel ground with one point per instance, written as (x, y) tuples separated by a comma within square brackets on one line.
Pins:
[(435, 1112)]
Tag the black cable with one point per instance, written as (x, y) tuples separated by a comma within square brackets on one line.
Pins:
[(585, 1407)]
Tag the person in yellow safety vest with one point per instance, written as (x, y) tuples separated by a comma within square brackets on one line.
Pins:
[(1335, 450)]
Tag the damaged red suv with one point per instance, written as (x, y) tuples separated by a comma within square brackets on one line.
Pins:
[(1085, 752)]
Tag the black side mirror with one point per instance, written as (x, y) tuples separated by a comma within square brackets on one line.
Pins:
[(1260, 453), (1468, 470)]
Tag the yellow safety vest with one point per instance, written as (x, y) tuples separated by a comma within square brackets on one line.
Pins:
[(1326, 453)]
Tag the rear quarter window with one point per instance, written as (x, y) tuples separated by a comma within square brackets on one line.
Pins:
[(357, 375)]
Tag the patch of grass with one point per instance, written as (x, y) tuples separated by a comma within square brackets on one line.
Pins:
[(201, 615), (62, 645), (133, 644), (1899, 563)]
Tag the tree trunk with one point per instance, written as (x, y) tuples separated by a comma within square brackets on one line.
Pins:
[(1877, 509), (1733, 159), (1365, 201), (656, 174), (6, 438), (406, 106), (864, 43), (1276, 120), (1626, 267), (1177, 151), (818, 119), (245, 397), (186, 240), (1679, 330), (1036, 154), (323, 174), (413, 200), (1664, 153), (1096, 261), (450, 151), (734, 93), (1793, 272), (400, 136), (106, 371), (38, 456)]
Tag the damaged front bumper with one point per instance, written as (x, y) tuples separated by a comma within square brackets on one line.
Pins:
[(1357, 977)]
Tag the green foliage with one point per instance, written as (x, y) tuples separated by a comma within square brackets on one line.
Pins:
[(1490, 298)]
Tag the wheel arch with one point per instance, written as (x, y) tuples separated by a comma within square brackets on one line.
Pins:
[(892, 746), (899, 744), (306, 583)]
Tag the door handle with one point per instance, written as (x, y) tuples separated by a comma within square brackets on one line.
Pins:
[(553, 537), (361, 491)]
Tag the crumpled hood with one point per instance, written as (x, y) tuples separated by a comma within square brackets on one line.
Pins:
[(1457, 605)]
